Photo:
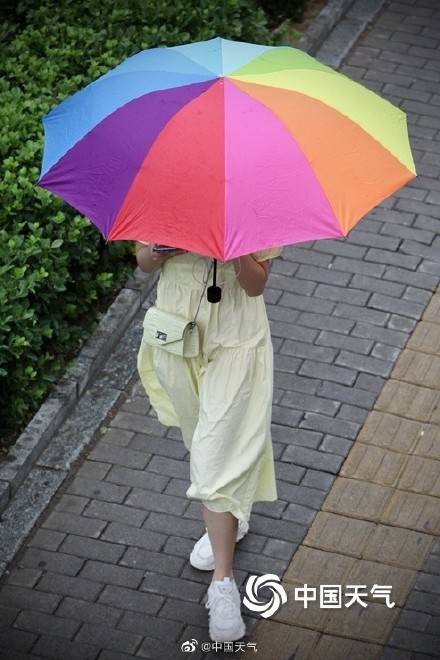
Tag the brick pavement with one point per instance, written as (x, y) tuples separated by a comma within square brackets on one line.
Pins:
[(105, 573)]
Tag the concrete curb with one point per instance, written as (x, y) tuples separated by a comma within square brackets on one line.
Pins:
[(40, 434), (323, 24)]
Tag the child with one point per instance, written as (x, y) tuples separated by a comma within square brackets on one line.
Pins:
[(222, 402)]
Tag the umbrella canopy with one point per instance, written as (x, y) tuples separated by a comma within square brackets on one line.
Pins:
[(225, 148)]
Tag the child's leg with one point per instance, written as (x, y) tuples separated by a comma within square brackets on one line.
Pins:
[(222, 532)]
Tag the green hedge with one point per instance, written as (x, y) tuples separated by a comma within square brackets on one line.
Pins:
[(280, 10), (56, 271)]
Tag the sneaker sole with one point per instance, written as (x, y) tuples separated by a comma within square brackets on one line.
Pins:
[(224, 637)]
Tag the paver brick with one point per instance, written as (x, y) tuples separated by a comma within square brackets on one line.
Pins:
[(419, 279), (131, 598), (106, 637), (159, 446), (70, 523), (337, 340), (137, 478), (69, 586), (41, 623), (120, 456), (57, 647), (373, 623), (332, 647), (403, 323), (427, 444), (411, 640), (60, 562), (162, 563), (410, 401), (359, 499), (295, 613), (353, 395), (308, 351), (385, 352), (98, 489), (28, 599), (314, 567), (80, 610), (282, 641), (338, 533), (128, 535), (425, 338), (372, 463), (367, 572), (366, 363), (116, 513), (418, 512), (421, 475), (71, 503), (99, 571), (335, 445), (376, 285), (418, 368), (312, 458), (150, 501), (310, 403), (398, 546), (166, 585)]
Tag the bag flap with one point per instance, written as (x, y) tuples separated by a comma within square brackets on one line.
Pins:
[(164, 327)]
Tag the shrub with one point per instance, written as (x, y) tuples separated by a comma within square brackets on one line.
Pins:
[(56, 270), (279, 10)]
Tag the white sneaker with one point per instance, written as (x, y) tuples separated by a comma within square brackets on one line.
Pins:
[(224, 605), (202, 557)]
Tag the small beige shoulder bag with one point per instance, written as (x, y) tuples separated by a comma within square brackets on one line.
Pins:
[(172, 332)]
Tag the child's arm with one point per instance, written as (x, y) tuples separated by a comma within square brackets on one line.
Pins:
[(252, 274)]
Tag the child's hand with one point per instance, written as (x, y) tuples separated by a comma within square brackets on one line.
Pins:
[(161, 257)]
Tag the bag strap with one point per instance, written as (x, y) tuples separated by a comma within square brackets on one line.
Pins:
[(198, 307)]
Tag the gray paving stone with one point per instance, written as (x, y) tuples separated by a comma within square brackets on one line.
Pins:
[(286, 416), (367, 315), (393, 258), (300, 514), (46, 539), (292, 474), (310, 403), (41, 623), (351, 395), (336, 340), (348, 295), (98, 489), (168, 524), (381, 335), (324, 322), (335, 445), (371, 365), (116, 513), (313, 458), (306, 304), (375, 285), (300, 437), (70, 523), (150, 501), (23, 598), (328, 372), (59, 562)]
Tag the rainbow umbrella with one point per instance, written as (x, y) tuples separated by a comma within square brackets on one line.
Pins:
[(224, 148)]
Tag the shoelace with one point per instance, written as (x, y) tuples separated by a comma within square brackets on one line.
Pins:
[(230, 596)]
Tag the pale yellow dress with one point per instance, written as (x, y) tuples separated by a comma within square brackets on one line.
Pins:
[(222, 399)]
